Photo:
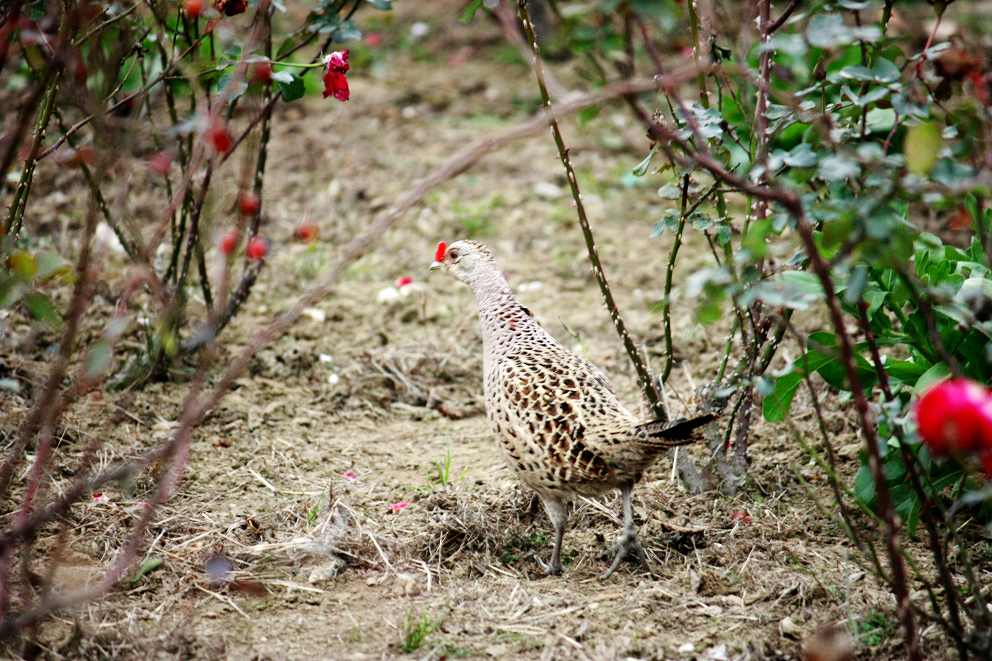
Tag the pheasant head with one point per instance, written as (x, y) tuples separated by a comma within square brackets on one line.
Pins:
[(465, 260)]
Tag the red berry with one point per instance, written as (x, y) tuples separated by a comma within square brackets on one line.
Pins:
[(257, 248), (194, 8), (249, 203), (220, 138), (955, 417), (229, 241), (262, 73), (307, 232)]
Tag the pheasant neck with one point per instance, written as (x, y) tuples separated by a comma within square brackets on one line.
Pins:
[(499, 310)]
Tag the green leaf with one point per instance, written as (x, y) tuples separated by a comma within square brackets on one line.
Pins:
[(238, 86), (906, 371), (22, 264), (641, 169), (907, 506), (709, 312), (856, 284), (293, 90), (864, 485), (885, 71), (837, 168), (829, 31), (346, 31), (723, 235), (282, 76), (775, 406), (754, 242), (586, 115), (147, 567), (801, 156), (857, 72), (51, 264), (790, 44), (42, 308), (921, 148), (469, 12), (935, 374)]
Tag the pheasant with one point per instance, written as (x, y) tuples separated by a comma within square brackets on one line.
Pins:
[(556, 419)]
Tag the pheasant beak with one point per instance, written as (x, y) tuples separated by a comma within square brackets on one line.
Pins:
[(435, 266)]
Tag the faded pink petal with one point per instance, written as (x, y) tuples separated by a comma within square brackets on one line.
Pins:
[(348, 474), (338, 61), (396, 507)]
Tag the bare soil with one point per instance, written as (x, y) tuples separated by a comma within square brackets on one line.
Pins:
[(281, 542)]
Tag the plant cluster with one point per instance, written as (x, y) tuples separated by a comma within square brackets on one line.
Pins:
[(832, 167), (186, 92)]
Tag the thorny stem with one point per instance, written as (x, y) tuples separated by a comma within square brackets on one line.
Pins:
[(669, 271), (166, 72), (780, 21), (16, 213), (886, 509), (704, 97), (43, 414), (643, 374), (940, 560)]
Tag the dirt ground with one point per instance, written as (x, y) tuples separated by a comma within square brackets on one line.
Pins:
[(281, 543)]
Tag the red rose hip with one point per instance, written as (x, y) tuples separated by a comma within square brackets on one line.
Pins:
[(248, 203), (228, 242), (257, 248), (955, 417)]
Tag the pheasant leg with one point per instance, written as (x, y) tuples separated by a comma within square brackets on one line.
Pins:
[(628, 540), (555, 508)]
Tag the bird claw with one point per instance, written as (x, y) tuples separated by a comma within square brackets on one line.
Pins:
[(628, 542), (556, 570)]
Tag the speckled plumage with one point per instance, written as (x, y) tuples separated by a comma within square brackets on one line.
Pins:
[(556, 419)]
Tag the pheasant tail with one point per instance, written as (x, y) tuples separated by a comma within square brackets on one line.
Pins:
[(676, 432)]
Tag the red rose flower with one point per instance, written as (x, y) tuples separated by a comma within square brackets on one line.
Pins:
[(335, 84), (338, 61)]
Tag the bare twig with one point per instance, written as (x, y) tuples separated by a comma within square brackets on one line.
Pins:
[(644, 376)]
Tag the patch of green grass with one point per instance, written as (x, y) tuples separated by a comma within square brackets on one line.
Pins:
[(477, 219), (444, 471), (509, 55), (876, 627), (535, 541), (416, 629)]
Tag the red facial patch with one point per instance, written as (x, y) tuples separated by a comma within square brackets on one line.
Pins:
[(439, 253)]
